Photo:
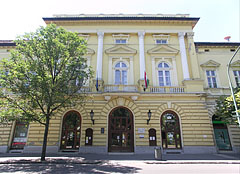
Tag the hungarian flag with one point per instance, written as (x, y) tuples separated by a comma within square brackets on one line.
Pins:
[(146, 80), (227, 38)]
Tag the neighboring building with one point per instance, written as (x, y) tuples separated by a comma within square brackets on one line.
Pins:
[(185, 80)]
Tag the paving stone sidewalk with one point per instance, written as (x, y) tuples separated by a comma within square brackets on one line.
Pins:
[(76, 158)]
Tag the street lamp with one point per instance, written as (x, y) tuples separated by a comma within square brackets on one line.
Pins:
[(149, 116), (230, 85), (91, 115)]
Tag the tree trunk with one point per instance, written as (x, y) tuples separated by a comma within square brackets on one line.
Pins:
[(44, 146)]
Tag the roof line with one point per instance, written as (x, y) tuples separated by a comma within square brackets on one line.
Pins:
[(117, 18)]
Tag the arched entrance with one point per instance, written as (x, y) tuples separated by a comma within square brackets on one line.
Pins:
[(71, 131), (120, 130), (170, 128)]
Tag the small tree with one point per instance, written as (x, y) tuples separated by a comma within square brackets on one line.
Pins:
[(45, 72), (225, 108)]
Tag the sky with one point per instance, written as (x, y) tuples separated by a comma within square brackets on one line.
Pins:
[(218, 18)]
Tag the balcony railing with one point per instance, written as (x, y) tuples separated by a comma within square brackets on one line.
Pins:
[(166, 89), (120, 88)]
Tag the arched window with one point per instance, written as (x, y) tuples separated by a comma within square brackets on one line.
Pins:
[(89, 137), (152, 137), (164, 78), (120, 73)]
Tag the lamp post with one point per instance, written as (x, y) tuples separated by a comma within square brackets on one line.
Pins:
[(230, 85), (92, 115), (149, 116)]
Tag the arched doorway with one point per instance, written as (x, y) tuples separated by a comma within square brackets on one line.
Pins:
[(71, 131), (170, 128), (120, 130)]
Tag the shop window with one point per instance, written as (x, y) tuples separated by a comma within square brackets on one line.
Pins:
[(20, 135), (89, 137), (152, 137)]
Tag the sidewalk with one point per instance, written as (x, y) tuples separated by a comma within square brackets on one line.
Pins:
[(76, 158)]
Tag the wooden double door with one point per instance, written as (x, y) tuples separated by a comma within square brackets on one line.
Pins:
[(120, 130), (71, 131)]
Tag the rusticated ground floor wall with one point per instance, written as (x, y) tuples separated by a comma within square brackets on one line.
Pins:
[(195, 126)]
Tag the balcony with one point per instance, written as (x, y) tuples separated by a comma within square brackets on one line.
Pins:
[(166, 89), (120, 88), (135, 89)]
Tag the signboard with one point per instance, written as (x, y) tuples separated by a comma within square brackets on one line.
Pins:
[(141, 130)]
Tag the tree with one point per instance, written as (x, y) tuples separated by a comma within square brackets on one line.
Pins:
[(225, 108), (45, 72)]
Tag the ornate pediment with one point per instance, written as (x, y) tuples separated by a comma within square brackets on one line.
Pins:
[(210, 63), (163, 49), (121, 49), (90, 51), (235, 64)]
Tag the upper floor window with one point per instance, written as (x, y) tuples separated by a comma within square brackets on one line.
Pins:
[(161, 38), (237, 77), (121, 73), (120, 41), (120, 38), (211, 78), (161, 41), (164, 78)]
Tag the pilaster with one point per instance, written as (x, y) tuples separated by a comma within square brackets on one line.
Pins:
[(141, 54), (193, 56), (185, 67), (99, 55)]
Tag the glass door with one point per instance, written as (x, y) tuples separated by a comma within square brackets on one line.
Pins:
[(120, 131)]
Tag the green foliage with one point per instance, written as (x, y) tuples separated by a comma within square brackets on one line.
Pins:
[(45, 72), (225, 110)]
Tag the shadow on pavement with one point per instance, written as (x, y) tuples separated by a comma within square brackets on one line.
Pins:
[(67, 168)]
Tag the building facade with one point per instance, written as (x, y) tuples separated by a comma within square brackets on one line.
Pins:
[(175, 110)]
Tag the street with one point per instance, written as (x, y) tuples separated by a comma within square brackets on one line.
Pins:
[(121, 167)]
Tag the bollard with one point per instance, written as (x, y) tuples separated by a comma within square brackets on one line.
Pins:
[(157, 153)]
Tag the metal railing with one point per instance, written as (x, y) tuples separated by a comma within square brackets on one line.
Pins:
[(166, 89), (120, 88)]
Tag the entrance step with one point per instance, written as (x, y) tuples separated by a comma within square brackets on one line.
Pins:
[(120, 153), (172, 151), (15, 151)]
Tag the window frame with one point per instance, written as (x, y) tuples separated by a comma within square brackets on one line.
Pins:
[(164, 69), (121, 69), (236, 77), (211, 78)]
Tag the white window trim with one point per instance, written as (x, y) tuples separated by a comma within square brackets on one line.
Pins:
[(120, 37), (157, 37), (111, 69), (172, 69), (84, 36), (233, 77), (216, 73)]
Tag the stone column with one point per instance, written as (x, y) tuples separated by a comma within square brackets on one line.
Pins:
[(141, 54), (99, 55), (193, 56), (183, 56)]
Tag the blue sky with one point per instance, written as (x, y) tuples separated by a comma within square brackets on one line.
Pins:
[(218, 18)]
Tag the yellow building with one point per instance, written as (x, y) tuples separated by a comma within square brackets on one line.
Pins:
[(174, 111)]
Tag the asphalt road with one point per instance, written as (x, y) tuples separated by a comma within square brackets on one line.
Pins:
[(121, 167)]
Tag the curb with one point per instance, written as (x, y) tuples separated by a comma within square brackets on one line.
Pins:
[(50, 162)]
